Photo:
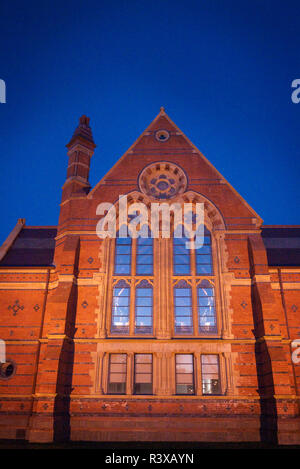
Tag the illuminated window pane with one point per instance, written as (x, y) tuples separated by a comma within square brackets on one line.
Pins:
[(143, 373), (210, 371), (144, 256), (184, 374), (122, 256), (206, 308), (183, 308), (181, 257), (143, 308), (204, 256), (117, 373), (120, 308)]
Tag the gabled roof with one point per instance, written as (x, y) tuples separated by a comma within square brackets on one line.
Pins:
[(182, 143)]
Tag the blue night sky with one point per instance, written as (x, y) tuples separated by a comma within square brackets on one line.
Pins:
[(222, 69)]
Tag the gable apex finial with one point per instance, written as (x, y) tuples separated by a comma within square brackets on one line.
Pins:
[(162, 109)]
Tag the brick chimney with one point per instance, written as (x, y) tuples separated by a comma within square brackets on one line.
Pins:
[(80, 150)]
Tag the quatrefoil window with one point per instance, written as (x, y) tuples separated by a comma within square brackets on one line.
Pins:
[(162, 180)]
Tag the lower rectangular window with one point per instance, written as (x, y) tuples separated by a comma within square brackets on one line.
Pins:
[(210, 371), (117, 373), (143, 373), (185, 374)]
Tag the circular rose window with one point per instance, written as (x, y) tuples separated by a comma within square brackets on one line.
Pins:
[(162, 180)]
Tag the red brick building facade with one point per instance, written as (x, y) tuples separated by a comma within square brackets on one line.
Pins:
[(113, 340)]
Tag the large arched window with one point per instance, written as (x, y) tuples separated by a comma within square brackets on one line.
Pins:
[(193, 287), (132, 296)]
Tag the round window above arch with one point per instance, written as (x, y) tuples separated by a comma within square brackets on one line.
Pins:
[(162, 135), (162, 180)]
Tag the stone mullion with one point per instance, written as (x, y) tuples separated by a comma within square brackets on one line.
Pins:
[(157, 290), (168, 370), (198, 374), (220, 300), (101, 310), (105, 286), (172, 373), (162, 380), (226, 373), (132, 287), (165, 285), (163, 297), (168, 288), (157, 381), (132, 307), (109, 307), (104, 374), (108, 293), (133, 256), (194, 292), (164, 376), (130, 373), (194, 307), (99, 373)]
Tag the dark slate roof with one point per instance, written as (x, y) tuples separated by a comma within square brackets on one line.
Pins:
[(33, 247), (282, 244)]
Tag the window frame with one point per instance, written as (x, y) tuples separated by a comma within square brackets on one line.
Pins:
[(219, 374), (190, 306), (121, 330), (195, 280), (133, 280), (109, 373), (193, 375), (138, 287), (134, 375)]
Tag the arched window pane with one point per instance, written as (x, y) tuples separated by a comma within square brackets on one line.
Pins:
[(144, 308), (123, 256), (183, 308), (206, 308), (204, 256), (120, 308)]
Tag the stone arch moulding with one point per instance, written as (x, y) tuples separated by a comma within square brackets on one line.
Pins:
[(213, 218)]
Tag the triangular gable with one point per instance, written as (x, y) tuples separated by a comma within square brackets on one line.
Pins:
[(147, 145)]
